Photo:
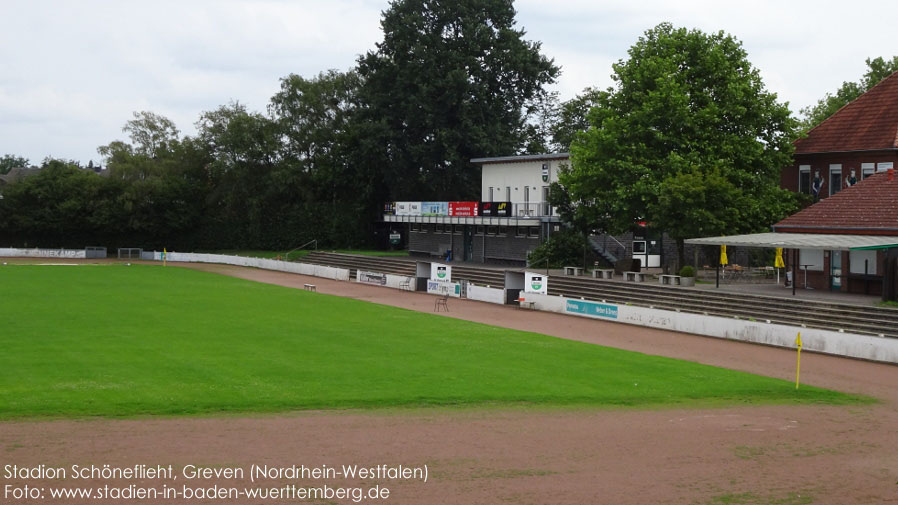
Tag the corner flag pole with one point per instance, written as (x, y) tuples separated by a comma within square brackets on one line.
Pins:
[(798, 362), (164, 254)]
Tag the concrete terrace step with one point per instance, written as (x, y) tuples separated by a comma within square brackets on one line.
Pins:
[(794, 312)]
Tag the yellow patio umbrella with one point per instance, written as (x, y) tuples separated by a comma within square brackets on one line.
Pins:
[(779, 263), (723, 255)]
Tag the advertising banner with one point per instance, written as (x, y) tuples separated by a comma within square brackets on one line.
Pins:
[(469, 209), (440, 272), (375, 278), (390, 208), (434, 208), (408, 208), (592, 309), (495, 209), (444, 288), (536, 283)]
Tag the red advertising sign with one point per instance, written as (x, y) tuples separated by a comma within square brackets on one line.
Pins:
[(463, 208)]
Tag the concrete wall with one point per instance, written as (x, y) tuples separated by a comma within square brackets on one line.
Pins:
[(42, 253), (484, 294), (824, 341), (340, 274)]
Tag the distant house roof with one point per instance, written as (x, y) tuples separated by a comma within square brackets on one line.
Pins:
[(18, 173), (870, 207), (869, 123), (525, 157)]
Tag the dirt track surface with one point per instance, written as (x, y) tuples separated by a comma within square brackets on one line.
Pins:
[(771, 454)]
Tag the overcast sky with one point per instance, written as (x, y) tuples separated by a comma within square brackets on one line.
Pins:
[(72, 72)]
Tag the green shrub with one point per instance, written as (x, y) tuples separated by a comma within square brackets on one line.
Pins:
[(687, 271)]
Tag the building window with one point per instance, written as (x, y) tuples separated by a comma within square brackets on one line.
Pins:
[(862, 262), (804, 179), (490, 199), (480, 230), (414, 227), (458, 229), (835, 179), (438, 228), (490, 230), (533, 232), (520, 231), (503, 230), (867, 170), (883, 166), (507, 193)]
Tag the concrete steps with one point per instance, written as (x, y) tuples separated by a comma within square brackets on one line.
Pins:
[(794, 312)]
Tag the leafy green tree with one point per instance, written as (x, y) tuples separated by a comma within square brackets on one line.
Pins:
[(245, 152), (60, 206), (10, 161), (689, 124), (318, 118), (572, 118), (449, 82), (877, 70), (163, 183)]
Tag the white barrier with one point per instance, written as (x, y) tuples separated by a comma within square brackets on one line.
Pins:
[(484, 294), (43, 253), (339, 274), (400, 282), (824, 341)]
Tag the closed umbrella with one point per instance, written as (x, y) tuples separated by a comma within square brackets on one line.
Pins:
[(779, 263), (723, 255)]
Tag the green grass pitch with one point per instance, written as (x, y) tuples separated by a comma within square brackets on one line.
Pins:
[(116, 340)]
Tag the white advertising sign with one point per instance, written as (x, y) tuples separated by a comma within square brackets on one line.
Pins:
[(440, 272), (444, 288), (536, 283), (408, 208)]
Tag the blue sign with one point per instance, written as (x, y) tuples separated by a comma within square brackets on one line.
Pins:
[(591, 309)]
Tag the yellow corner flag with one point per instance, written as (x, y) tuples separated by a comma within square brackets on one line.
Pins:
[(164, 254), (798, 362)]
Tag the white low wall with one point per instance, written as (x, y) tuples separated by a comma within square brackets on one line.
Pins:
[(42, 253), (339, 274), (484, 294), (824, 341), (400, 282)]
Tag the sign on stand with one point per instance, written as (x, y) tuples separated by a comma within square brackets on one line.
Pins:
[(536, 283)]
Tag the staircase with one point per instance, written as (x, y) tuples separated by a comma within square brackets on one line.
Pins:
[(600, 246)]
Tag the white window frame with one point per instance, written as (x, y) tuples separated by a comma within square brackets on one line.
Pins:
[(805, 169), (833, 168), (867, 169), (882, 166)]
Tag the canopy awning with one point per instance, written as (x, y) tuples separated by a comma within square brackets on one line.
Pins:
[(832, 242)]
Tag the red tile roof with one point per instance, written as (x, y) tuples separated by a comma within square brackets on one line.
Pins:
[(870, 207), (870, 122)]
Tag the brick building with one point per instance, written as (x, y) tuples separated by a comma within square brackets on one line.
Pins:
[(860, 139), (866, 209)]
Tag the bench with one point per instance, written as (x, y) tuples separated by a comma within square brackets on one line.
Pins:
[(310, 287), (672, 280), (573, 271), (525, 304), (603, 273), (634, 276)]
